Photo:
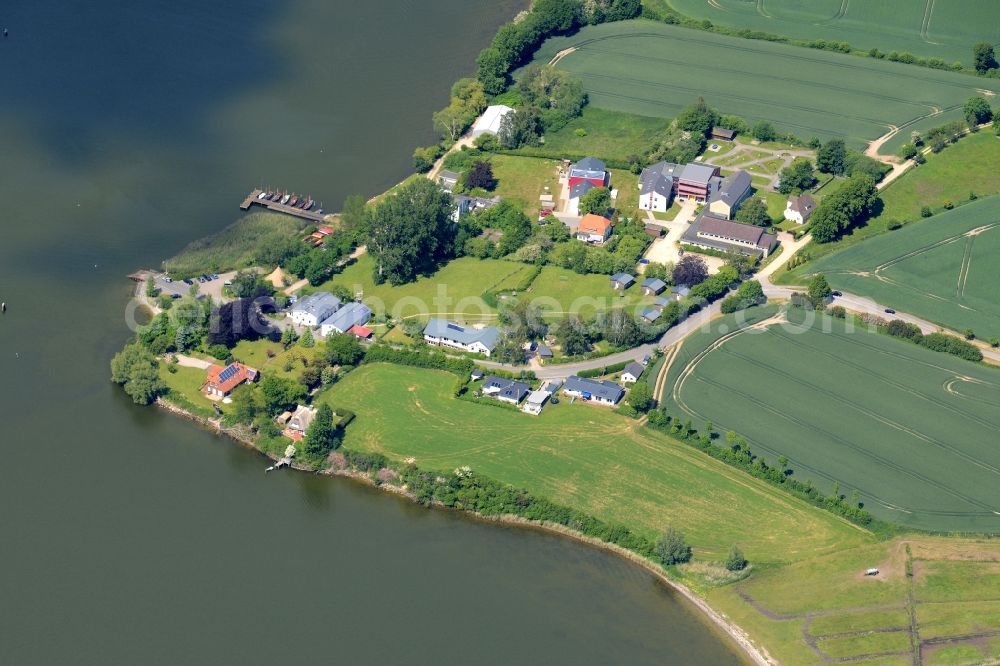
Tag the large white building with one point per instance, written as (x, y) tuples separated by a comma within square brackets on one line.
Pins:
[(446, 333), (341, 321), (489, 122), (314, 308)]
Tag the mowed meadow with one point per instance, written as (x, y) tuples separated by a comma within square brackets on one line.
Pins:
[(944, 29), (653, 69), (943, 269), (911, 430)]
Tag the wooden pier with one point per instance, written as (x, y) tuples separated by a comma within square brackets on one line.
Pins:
[(279, 207)]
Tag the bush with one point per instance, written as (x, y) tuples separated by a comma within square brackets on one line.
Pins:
[(672, 548), (925, 211), (736, 561)]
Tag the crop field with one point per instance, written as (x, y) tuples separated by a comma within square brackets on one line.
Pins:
[(944, 29), (913, 431), (585, 456), (943, 268), (655, 69)]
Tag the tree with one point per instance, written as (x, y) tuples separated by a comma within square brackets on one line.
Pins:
[(690, 270), (511, 220), (736, 561), (244, 284), (321, 436), (832, 157), (289, 337), (839, 211), (135, 369), (698, 118), (410, 232), (819, 288), (606, 11), (557, 94), (977, 111), (620, 329), (345, 349), (151, 290), (664, 271), (237, 320), (597, 200), (522, 128), (452, 120), (797, 176), (763, 131), (479, 175), (671, 548), (509, 349), (523, 320), (754, 211), (279, 394), (984, 57), (572, 337), (640, 397), (307, 340), (554, 16), (352, 215), (492, 71)]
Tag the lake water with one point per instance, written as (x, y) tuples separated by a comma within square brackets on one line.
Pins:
[(132, 536)]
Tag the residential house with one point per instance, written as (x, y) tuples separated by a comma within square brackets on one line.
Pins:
[(361, 332), (656, 186), (465, 204), (543, 351), (715, 233), (299, 422), (632, 372), (489, 122), (448, 179), (341, 321), (583, 176), (622, 281), (653, 286), (662, 301), (800, 208), (696, 181), (314, 308), (505, 390), (680, 292), (221, 380), (733, 190), (600, 391), (651, 314), (445, 333), (594, 229), (536, 400), (723, 133)]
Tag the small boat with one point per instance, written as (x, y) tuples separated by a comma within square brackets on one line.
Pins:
[(276, 197), (284, 199), (306, 205), (262, 195), (294, 200)]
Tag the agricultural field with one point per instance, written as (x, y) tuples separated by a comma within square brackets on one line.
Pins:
[(925, 28), (943, 269), (911, 430), (654, 69), (234, 247)]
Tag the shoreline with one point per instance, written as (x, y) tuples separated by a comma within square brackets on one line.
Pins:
[(734, 633)]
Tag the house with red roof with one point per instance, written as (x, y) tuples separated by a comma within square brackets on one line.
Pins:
[(594, 229), (221, 380), (361, 332)]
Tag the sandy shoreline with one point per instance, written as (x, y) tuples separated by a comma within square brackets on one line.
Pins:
[(757, 655)]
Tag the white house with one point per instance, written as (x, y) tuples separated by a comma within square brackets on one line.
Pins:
[(341, 321), (489, 122), (656, 186), (799, 208), (446, 333), (536, 400), (602, 392), (505, 390), (632, 372), (314, 308)]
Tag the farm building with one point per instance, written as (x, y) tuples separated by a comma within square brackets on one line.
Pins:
[(489, 122), (594, 229), (622, 281), (314, 308), (656, 186), (714, 233), (731, 193), (505, 390), (653, 286), (221, 380), (600, 391), (696, 181), (344, 319), (632, 372), (446, 333), (799, 208)]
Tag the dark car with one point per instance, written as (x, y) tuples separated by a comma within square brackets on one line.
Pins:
[(837, 293), (890, 311), (187, 281)]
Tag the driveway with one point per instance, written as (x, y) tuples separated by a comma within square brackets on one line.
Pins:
[(665, 250)]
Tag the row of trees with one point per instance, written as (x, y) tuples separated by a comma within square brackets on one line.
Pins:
[(840, 211)]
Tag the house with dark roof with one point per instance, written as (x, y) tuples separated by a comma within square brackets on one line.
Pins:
[(314, 308), (799, 208), (536, 400), (723, 133), (341, 321), (543, 351), (653, 286), (632, 372), (594, 229), (732, 191), (695, 181), (651, 314), (714, 233), (622, 281), (656, 186), (680, 292), (602, 392), (445, 333), (505, 390), (662, 301), (465, 204), (220, 381), (586, 174), (448, 179)]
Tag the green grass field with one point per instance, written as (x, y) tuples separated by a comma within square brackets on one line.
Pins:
[(912, 430), (943, 268), (925, 28), (654, 69), (561, 291), (610, 135), (235, 246), (524, 179)]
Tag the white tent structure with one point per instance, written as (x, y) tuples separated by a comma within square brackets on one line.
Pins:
[(489, 122)]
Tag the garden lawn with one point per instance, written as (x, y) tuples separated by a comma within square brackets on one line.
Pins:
[(587, 457), (943, 268), (185, 389), (524, 179), (912, 430), (559, 291), (653, 69), (255, 354), (610, 135), (454, 291), (945, 30)]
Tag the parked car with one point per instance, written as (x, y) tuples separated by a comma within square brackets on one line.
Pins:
[(167, 279), (213, 276), (890, 311), (837, 293), (188, 281)]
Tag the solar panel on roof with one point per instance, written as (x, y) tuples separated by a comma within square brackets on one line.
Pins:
[(456, 327), (228, 373)]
